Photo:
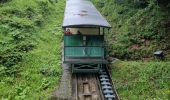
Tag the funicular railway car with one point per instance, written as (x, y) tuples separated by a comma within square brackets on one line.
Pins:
[(84, 36)]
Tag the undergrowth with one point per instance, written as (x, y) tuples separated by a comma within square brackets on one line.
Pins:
[(30, 37), (139, 27)]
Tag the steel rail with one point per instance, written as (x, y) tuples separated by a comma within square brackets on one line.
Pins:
[(94, 86)]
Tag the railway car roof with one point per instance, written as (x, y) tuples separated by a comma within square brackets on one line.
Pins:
[(81, 13)]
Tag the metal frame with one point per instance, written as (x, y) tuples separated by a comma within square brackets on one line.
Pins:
[(103, 56), (86, 68), (90, 68), (102, 47)]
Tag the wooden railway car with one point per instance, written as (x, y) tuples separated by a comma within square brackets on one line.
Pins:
[(84, 36)]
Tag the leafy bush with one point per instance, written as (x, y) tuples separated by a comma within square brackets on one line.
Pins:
[(44, 6), (21, 92), (53, 1), (141, 3), (3, 1), (29, 25), (10, 59), (46, 71), (39, 20), (137, 25), (17, 32), (164, 3), (2, 70), (45, 84)]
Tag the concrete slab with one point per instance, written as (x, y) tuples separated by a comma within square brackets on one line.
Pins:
[(65, 90)]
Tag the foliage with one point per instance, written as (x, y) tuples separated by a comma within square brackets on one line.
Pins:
[(139, 27), (137, 80), (3, 1), (26, 28)]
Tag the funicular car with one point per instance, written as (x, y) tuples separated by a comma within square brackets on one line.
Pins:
[(84, 30)]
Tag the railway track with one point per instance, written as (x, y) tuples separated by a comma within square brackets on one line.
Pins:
[(86, 87), (93, 87)]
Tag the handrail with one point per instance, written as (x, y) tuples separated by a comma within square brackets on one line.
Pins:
[(84, 46)]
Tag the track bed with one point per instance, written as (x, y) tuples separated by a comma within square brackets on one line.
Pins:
[(85, 87)]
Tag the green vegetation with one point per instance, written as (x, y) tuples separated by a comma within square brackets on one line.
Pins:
[(30, 56), (140, 27), (142, 80)]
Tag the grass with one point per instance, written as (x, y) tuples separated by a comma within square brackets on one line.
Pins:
[(37, 74), (139, 80)]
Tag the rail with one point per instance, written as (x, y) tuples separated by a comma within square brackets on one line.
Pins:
[(94, 86), (86, 87)]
